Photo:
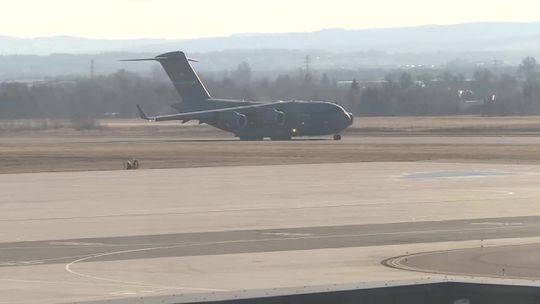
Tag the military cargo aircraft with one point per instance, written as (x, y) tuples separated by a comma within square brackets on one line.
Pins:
[(248, 120)]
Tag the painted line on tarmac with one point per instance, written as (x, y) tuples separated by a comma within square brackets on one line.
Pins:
[(61, 282), (68, 267), (400, 263), (62, 243), (36, 262), (342, 205), (497, 223), (284, 237), (134, 284)]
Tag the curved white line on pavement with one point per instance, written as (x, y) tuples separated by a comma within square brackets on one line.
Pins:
[(400, 263), (68, 267), (133, 284)]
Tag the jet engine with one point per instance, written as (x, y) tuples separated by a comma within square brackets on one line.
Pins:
[(271, 116), (241, 120)]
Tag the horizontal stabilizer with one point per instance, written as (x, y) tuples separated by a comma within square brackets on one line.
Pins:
[(142, 59), (156, 59), (142, 114)]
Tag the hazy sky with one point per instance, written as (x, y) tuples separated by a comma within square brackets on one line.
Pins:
[(204, 18)]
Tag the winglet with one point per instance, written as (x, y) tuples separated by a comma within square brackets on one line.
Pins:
[(142, 114)]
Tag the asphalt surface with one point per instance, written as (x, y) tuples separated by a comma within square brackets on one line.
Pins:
[(82, 236), (271, 240), (518, 262)]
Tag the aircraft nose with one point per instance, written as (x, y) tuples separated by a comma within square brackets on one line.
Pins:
[(351, 118)]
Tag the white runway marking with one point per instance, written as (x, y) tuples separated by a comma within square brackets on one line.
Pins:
[(343, 204), (400, 263), (41, 261), (497, 224), (123, 293), (134, 284), (286, 234), (68, 267), (75, 244), (60, 282), (506, 192)]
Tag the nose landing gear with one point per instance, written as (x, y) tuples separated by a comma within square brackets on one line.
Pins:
[(337, 137)]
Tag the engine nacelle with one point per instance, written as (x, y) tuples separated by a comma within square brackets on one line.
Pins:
[(270, 116), (241, 120), (234, 120)]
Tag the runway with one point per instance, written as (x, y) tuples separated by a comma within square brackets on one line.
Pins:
[(352, 139), (269, 240), (82, 236)]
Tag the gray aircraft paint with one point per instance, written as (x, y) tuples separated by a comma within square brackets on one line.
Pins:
[(248, 120)]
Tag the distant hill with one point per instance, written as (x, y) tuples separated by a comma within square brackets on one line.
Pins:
[(462, 48), (472, 37)]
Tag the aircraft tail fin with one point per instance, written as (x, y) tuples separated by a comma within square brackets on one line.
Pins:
[(185, 80)]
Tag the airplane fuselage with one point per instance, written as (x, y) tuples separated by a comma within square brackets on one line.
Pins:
[(248, 120), (298, 118)]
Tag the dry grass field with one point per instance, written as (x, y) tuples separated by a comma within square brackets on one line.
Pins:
[(170, 145)]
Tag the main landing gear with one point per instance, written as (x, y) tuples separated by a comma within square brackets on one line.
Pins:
[(250, 138), (337, 137), (281, 138)]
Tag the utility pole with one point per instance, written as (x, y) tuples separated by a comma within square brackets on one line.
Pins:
[(92, 68), (496, 64), (307, 76)]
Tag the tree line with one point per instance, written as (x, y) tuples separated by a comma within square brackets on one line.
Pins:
[(401, 92)]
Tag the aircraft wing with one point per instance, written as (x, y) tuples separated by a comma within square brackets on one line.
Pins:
[(203, 115)]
